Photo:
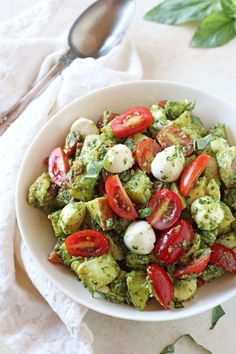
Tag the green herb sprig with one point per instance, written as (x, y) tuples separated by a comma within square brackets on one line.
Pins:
[(217, 313), (171, 347), (217, 19), (143, 213)]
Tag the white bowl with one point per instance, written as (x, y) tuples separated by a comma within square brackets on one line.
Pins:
[(36, 229)]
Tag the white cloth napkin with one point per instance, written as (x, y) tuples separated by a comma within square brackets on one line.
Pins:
[(29, 45)]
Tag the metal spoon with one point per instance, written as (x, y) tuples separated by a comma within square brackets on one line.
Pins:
[(95, 32)]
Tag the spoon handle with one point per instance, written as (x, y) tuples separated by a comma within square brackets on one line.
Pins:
[(8, 117)]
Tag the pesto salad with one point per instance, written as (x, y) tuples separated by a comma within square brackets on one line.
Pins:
[(142, 204)]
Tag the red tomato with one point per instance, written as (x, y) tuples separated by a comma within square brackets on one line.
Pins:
[(54, 258), (162, 284), (58, 166), (167, 207), (192, 172), (196, 266), (87, 243), (223, 257), (172, 135), (162, 103), (118, 199), (200, 282), (70, 151), (134, 121), (145, 152), (173, 243)]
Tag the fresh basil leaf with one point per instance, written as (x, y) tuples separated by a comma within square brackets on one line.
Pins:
[(179, 305), (143, 213), (197, 120), (170, 348), (181, 11), (130, 143), (93, 169), (229, 7), (202, 143), (91, 176), (216, 30), (125, 176), (217, 313)]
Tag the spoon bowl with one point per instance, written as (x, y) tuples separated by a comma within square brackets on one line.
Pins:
[(100, 27), (95, 32)]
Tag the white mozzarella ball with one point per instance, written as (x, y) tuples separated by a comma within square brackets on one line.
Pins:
[(168, 164), (140, 237), (119, 158), (84, 127), (207, 213)]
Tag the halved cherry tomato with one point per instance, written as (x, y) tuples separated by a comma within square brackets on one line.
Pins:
[(162, 103), (54, 258), (173, 243), (162, 284), (192, 172), (172, 135), (200, 282), (196, 266), (87, 243), (58, 166), (118, 199), (70, 151), (145, 152), (167, 207), (134, 121), (223, 257)]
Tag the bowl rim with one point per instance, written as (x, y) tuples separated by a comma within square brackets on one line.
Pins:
[(173, 315)]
